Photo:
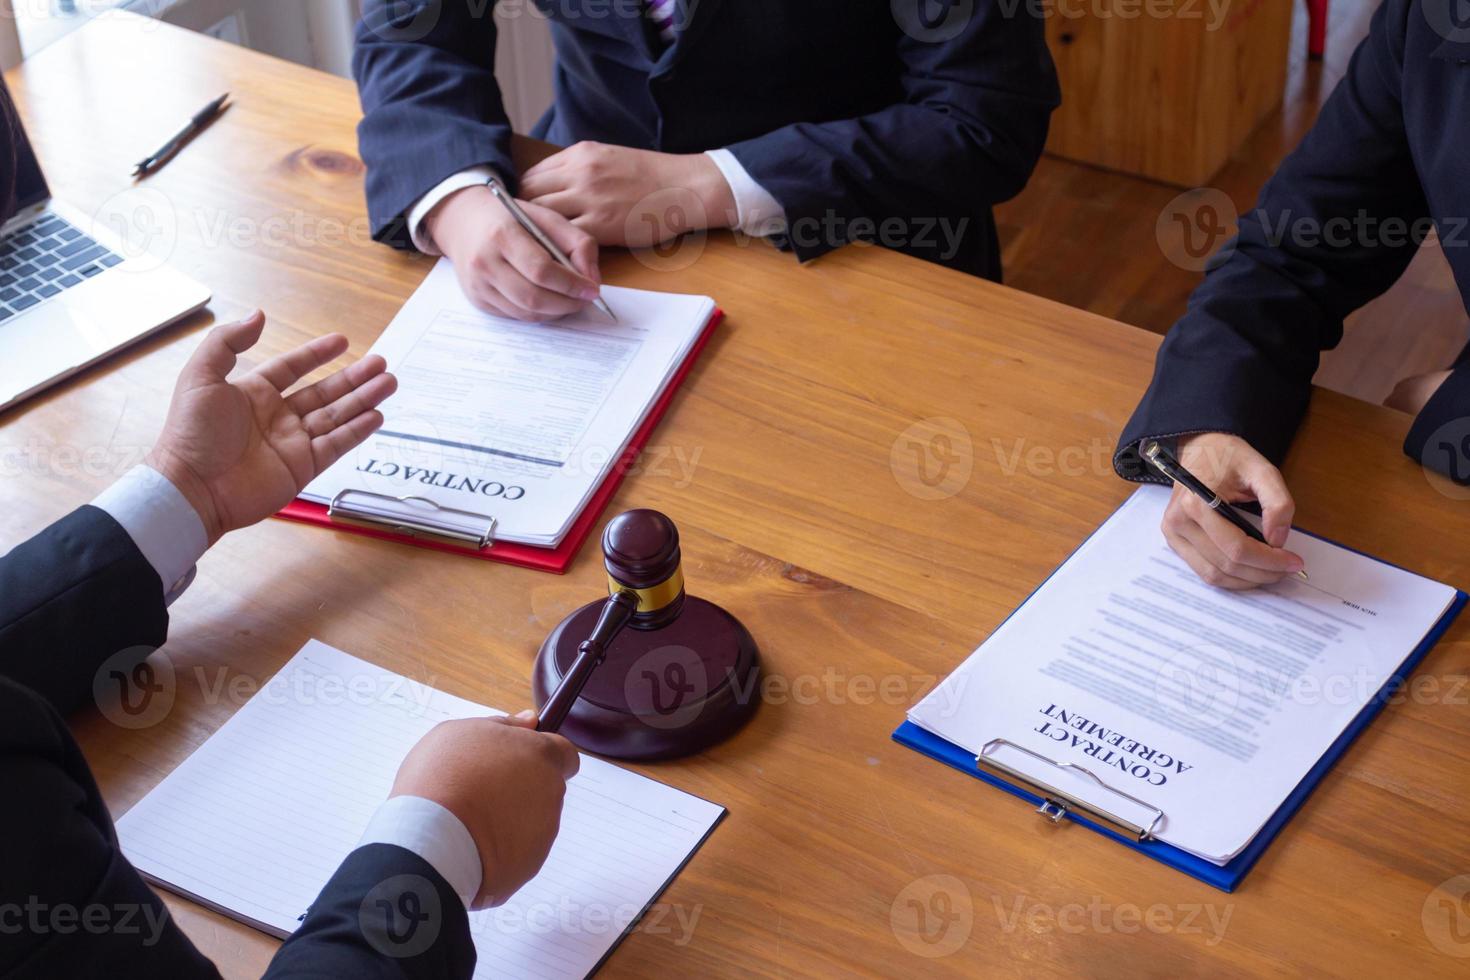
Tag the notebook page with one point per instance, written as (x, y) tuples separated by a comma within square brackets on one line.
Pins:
[(1210, 706), (255, 822)]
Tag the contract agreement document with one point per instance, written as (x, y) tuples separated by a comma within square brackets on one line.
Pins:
[(1202, 705), (519, 422)]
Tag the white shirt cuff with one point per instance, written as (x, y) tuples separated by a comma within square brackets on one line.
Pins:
[(434, 834), (416, 214), (756, 211), (161, 523)]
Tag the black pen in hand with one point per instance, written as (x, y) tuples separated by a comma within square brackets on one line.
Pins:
[(1164, 461)]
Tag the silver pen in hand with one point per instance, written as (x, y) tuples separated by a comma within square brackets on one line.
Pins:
[(524, 220)]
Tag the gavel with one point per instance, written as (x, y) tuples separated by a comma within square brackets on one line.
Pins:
[(659, 673)]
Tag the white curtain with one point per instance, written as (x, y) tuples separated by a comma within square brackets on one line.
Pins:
[(9, 39), (523, 62)]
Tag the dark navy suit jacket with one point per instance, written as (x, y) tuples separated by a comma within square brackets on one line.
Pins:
[(830, 105), (1335, 227), (71, 905)]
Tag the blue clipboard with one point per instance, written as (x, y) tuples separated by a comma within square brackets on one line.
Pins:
[(1225, 877)]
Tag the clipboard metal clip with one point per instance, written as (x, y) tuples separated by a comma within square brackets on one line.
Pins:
[(342, 509), (1056, 803)]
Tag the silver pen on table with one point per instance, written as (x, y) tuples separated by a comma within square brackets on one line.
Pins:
[(524, 220)]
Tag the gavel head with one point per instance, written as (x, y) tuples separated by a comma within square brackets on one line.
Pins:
[(678, 682), (641, 552)]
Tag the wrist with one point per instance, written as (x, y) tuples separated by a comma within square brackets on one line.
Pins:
[(168, 465), (441, 223), (703, 177)]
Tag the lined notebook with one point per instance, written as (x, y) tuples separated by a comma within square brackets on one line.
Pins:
[(255, 822)]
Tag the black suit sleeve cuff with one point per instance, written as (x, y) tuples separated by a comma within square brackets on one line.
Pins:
[(74, 597), (1439, 439), (1197, 389), (386, 913)]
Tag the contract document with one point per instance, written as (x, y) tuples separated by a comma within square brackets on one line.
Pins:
[(511, 421), (1198, 710)]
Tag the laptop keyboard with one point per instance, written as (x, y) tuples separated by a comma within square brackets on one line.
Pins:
[(43, 259)]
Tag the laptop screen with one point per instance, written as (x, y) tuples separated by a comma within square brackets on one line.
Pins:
[(21, 182)]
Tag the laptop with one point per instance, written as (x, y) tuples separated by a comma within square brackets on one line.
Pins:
[(71, 292)]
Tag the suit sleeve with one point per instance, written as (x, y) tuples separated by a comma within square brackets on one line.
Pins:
[(1335, 227), (75, 595), (69, 901), (385, 915), (1440, 435), (425, 72), (968, 132)]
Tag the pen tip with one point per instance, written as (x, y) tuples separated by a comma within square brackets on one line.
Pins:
[(1303, 575)]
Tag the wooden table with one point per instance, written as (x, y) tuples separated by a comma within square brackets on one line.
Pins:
[(802, 512)]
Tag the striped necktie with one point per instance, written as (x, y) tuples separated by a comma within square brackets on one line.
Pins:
[(662, 12)]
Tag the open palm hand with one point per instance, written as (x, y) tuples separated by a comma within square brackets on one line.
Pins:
[(239, 451)]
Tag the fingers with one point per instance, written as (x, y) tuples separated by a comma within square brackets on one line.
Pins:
[(547, 177), (327, 449), (284, 371), (368, 395), (564, 753), (329, 389), (584, 256), (568, 203), (576, 243), (216, 356), (1233, 574), (490, 299), (523, 282), (580, 217), (1238, 549), (504, 269), (1208, 572), (533, 280), (1219, 552), (1268, 486)]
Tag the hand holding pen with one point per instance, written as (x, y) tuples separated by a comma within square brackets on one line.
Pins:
[(503, 268), (1222, 547)]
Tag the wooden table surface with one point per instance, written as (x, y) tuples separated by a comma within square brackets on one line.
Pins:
[(791, 464)]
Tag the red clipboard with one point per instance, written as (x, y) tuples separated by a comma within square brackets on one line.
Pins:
[(544, 559)]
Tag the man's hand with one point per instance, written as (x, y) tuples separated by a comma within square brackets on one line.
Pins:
[(501, 268), (240, 451), (1412, 394), (505, 782), (1216, 549), (631, 197)]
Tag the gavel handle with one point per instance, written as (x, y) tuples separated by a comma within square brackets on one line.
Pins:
[(616, 613)]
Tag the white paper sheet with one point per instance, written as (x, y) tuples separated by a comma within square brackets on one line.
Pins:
[(1207, 704), (255, 822), (516, 421)]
